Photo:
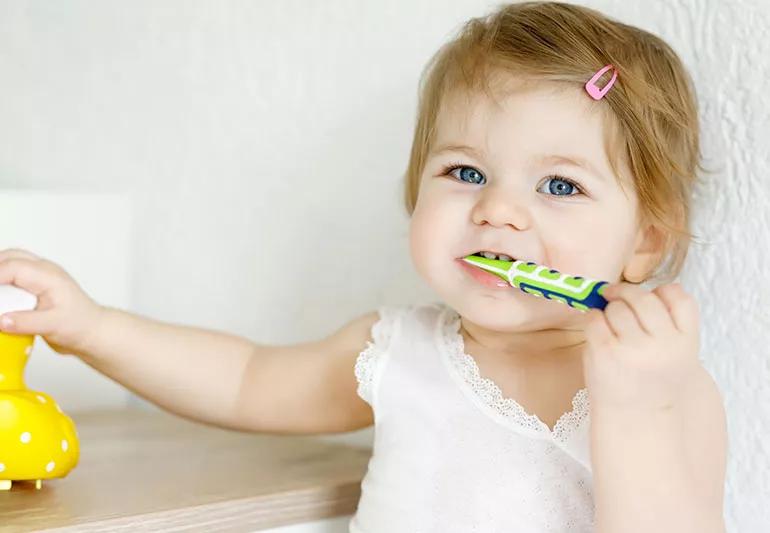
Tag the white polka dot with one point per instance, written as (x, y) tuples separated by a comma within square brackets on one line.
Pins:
[(2, 467), (50, 466), (41, 398), (26, 437), (64, 445)]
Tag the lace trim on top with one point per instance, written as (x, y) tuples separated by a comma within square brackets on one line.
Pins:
[(490, 394), (366, 362)]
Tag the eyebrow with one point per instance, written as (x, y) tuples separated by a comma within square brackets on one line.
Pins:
[(456, 148), (543, 159), (574, 161)]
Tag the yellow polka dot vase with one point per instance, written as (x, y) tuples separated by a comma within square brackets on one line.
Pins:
[(37, 440)]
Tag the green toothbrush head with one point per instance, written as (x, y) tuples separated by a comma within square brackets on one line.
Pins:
[(544, 282)]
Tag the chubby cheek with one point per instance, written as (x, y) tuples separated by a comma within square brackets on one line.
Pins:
[(421, 246), (593, 254), (432, 240)]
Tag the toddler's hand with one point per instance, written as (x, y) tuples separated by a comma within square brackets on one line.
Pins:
[(65, 315), (643, 349)]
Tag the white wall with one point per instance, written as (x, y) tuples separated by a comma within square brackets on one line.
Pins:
[(263, 144)]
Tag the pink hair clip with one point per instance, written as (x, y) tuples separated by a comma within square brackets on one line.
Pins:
[(595, 92)]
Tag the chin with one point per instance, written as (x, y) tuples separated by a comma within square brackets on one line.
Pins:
[(512, 312)]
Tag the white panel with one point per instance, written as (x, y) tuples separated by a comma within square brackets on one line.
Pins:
[(88, 235)]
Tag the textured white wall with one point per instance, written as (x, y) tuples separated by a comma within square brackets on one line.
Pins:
[(263, 145)]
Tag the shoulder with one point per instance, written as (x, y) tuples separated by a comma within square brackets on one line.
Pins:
[(355, 334), (379, 325), (373, 335), (705, 429), (376, 328)]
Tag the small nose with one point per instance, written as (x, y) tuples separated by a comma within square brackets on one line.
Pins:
[(499, 208)]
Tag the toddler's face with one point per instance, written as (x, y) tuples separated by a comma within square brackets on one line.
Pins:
[(503, 195)]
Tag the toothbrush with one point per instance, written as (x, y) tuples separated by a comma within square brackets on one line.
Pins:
[(543, 282)]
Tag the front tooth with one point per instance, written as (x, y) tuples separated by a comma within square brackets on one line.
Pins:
[(504, 257), (488, 255)]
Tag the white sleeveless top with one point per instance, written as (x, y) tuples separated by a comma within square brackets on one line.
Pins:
[(450, 453)]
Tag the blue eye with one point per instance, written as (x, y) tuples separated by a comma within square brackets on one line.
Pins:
[(560, 186), (466, 173)]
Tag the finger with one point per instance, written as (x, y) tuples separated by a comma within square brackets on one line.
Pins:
[(623, 322), (650, 311), (9, 253), (27, 274), (28, 322), (682, 307)]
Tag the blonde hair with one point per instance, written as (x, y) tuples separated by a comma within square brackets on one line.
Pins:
[(652, 106)]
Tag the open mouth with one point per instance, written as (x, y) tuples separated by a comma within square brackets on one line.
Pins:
[(489, 271), (493, 255)]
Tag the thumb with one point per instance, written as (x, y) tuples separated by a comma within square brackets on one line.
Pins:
[(27, 322)]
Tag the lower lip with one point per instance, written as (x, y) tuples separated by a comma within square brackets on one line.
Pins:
[(485, 278)]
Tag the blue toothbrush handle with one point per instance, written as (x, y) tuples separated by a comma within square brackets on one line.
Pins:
[(592, 300)]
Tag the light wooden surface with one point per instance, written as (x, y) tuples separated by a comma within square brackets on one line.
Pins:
[(151, 471)]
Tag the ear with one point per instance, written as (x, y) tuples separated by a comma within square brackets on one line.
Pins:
[(649, 249)]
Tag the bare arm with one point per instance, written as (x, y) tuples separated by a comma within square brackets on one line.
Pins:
[(188, 371), (204, 375), (663, 472), (230, 381), (307, 388)]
